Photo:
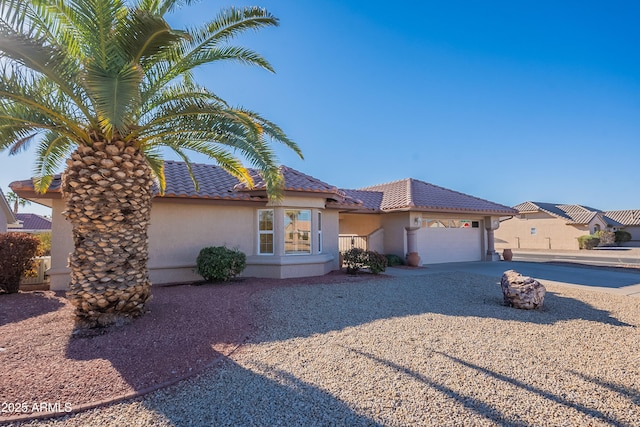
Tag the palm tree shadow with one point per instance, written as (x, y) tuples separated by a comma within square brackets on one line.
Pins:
[(448, 294), (262, 395), (24, 305), (185, 329), (632, 394), (482, 408)]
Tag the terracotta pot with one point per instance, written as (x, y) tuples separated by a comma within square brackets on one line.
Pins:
[(507, 255), (413, 259)]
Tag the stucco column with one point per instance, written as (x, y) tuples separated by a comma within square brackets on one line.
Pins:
[(413, 259), (491, 224)]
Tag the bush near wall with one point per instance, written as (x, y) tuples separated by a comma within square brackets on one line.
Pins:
[(17, 251), (588, 242), (219, 263), (622, 236), (393, 260), (607, 238)]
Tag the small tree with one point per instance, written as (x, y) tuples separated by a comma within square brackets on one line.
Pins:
[(17, 201), (16, 257)]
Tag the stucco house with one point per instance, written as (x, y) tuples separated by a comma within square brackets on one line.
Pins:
[(296, 236), (410, 215), (7, 216), (540, 225)]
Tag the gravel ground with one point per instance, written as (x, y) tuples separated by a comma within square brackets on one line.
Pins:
[(438, 349)]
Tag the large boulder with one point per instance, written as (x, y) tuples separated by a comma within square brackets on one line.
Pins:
[(521, 291)]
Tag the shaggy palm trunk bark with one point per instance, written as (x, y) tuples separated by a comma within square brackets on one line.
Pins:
[(107, 188)]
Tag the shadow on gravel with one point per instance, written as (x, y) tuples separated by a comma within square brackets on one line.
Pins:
[(484, 409), (450, 294), (24, 305), (480, 408), (184, 330), (265, 396)]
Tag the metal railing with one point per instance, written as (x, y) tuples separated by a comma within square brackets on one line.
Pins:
[(350, 241)]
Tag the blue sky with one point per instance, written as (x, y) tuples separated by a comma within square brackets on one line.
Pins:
[(507, 101)]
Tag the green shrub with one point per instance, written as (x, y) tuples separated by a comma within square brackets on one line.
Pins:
[(16, 257), (588, 241), (393, 260), (622, 236), (356, 259), (219, 263), (377, 262), (607, 238)]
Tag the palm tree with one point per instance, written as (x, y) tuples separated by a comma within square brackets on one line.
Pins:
[(17, 201), (104, 85)]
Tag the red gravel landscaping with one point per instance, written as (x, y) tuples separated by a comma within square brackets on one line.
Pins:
[(187, 328)]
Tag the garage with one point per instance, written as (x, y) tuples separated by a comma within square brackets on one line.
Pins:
[(449, 240)]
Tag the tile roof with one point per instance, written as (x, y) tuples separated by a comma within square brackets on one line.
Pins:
[(413, 194), (214, 183), (573, 214), (32, 221), (625, 217)]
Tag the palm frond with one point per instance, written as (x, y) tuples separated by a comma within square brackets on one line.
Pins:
[(44, 59), (52, 151), (115, 95), (204, 46)]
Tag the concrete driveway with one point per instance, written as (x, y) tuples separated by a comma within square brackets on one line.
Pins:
[(616, 281)]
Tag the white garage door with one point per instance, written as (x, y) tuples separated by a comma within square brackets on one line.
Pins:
[(436, 245)]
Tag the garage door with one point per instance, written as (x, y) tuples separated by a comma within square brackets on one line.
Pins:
[(450, 244)]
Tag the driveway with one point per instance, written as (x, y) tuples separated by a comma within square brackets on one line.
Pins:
[(616, 281)]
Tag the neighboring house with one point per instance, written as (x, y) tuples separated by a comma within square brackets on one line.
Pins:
[(551, 226), (7, 216), (629, 221), (410, 215), (296, 236), (31, 223)]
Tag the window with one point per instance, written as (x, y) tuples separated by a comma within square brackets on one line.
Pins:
[(297, 231), (437, 223), (265, 231), (533, 231), (319, 232)]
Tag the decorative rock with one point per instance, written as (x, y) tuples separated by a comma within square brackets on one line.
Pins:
[(521, 291)]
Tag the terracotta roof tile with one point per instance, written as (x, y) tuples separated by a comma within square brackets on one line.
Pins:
[(216, 184), (419, 195), (293, 181)]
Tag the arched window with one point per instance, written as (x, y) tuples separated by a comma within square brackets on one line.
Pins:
[(596, 228)]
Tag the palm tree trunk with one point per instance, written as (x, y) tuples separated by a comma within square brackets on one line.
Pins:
[(107, 188)]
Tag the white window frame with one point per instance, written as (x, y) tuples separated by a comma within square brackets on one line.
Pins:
[(267, 232), (319, 226)]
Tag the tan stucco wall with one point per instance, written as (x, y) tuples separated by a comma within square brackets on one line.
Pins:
[(551, 233), (179, 230), (359, 224)]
